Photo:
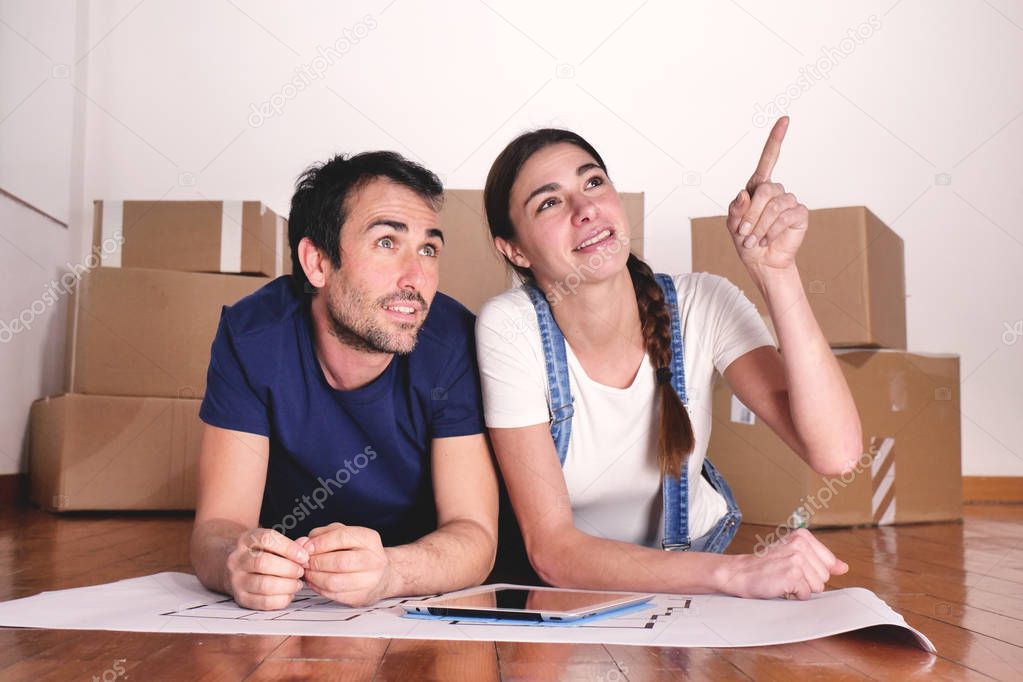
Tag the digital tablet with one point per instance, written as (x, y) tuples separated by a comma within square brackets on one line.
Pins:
[(519, 602)]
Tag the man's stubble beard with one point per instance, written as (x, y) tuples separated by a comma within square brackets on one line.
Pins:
[(352, 322)]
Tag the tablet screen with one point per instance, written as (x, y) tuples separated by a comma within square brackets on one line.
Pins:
[(519, 599)]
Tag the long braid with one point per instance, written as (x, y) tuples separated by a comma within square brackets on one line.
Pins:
[(675, 439)]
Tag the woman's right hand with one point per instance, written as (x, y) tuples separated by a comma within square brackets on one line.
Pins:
[(796, 566)]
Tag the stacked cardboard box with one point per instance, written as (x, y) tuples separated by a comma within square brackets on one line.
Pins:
[(852, 267), (125, 435), (192, 236)]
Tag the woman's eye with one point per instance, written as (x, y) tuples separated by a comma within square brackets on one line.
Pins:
[(385, 242), (595, 181), (429, 250)]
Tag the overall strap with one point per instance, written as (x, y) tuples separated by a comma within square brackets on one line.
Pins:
[(675, 490), (553, 342)]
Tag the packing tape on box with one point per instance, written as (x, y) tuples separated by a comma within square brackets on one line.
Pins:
[(112, 226), (231, 237), (882, 473), (110, 232)]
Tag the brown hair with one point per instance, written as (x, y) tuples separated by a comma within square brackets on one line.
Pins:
[(675, 435)]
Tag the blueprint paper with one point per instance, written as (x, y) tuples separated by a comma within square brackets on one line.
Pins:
[(177, 602)]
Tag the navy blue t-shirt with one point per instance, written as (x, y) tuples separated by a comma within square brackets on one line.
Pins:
[(361, 457)]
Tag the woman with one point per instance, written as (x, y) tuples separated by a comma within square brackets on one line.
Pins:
[(597, 381)]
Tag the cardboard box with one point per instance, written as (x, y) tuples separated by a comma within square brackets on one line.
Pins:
[(471, 269), (852, 267), (136, 332), (192, 236), (101, 453), (910, 470)]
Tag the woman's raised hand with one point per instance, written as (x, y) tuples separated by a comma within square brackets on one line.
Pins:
[(767, 224)]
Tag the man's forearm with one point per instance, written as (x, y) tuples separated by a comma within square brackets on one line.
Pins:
[(822, 407), (212, 542), (458, 554)]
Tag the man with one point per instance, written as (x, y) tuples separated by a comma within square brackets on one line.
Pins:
[(344, 443)]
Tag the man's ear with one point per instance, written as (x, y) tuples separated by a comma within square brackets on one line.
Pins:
[(511, 252), (314, 263)]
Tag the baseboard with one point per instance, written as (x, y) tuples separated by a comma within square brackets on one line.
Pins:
[(13, 490), (985, 489)]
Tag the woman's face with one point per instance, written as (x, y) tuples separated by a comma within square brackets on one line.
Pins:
[(570, 228)]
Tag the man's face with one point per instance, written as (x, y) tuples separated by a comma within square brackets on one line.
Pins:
[(390, 246)]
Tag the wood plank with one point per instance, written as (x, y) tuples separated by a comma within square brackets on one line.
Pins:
[(13, 489), (331, 670), (888, 653), (332, 648), (961, 584), (970, 650), (789, 662), (994, 625), (884, 583), (537, 661), (987, 489), (641, 663), (417, 659)]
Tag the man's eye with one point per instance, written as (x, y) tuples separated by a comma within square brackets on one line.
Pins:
[(546, 203), (429, 250), (595, 181), (385, 242)]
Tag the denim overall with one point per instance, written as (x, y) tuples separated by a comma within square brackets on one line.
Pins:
[(675, 490)]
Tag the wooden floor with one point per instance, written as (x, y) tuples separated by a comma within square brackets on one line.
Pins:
[(961, 584)]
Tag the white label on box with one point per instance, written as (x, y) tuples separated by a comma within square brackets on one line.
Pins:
[(883, 453), (742, 414), (110, 234), (231, 237)]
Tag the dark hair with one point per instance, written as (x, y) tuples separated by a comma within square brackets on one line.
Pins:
[(504, 171), (675, 437), (319, 206)]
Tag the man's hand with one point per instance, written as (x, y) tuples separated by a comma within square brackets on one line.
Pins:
[(349, 565), (264, 569), (767, 224)]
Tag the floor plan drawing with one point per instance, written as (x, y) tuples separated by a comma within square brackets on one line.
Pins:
[(177, 602), (307, 606)]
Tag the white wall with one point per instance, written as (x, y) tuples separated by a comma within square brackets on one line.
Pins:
[(36, 99), (32, 321), (41, 181), (667, 91)]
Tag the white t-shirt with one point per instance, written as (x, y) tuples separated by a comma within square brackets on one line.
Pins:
[(611, 470)]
